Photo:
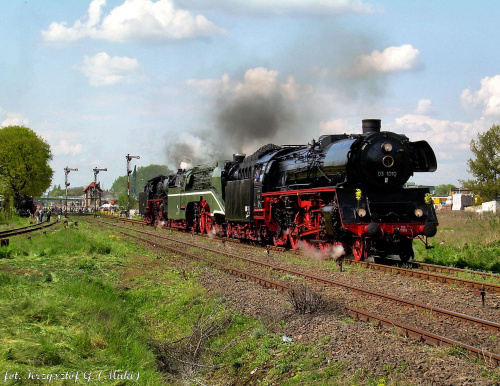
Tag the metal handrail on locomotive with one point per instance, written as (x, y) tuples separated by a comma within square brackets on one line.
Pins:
[(342, 192)]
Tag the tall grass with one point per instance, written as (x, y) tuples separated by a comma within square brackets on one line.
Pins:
[(60, 311), (12, 221), (465, 240)]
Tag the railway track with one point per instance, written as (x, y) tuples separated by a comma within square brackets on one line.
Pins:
[(418, 270), (453, 270), (4, 235), (429, 275), (406, 330), (441, 268)]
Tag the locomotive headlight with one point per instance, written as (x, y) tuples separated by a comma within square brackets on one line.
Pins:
[(387, 147), (361, 212), (419, 212)]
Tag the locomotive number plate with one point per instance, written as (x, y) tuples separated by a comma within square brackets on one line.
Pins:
[(383, 173)]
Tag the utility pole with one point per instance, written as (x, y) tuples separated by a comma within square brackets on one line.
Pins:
[(96, 172), (66, 183), (129, 158)]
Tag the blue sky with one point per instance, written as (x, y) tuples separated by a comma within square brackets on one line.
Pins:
[(192, 81)]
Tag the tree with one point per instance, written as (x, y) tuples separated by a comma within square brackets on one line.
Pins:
[(24, 162), (144, 173), (122, 201), (444, 189), (57, 191), (486, 165)]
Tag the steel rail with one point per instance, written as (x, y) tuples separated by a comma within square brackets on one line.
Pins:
[(431, 268), (422, 335), (484, 286), (482, 322), (406, 330), (27, 229), (234, 271), (442, 268)]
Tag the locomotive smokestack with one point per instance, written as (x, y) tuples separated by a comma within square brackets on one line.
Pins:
[(238, 157), (371, 126)]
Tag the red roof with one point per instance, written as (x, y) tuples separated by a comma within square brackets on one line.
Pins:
[(91, 186)]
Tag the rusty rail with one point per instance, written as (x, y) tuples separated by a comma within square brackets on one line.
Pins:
[(429, 275), (482, 322), (406, 330)]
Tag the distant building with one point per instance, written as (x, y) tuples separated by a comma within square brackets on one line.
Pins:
[(491, 206), (460, 201), (93, 195), (73, 201), (460, 191)]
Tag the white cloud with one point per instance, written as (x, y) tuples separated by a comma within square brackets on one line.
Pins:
[(104, 70), (62, 142), (337, 126), (424, 107), (12, 119), (257, 81), (281, 7), (134, 20), (450, 139), (63, 147), (207, 87), (487, 98), (392, 59)]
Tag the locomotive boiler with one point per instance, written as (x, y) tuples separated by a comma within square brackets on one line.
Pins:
[(339, 192)]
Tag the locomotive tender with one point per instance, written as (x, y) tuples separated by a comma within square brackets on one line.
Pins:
[(342, 191)]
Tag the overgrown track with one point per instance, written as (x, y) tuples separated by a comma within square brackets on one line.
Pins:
[(26, 229), (419, 334)]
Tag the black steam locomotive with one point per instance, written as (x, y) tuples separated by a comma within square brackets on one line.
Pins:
[(25, 206), (342, 192)]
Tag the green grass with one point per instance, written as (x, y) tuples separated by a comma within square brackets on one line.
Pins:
[(86, 299), (15, 221), (464, 240), (60, 311)]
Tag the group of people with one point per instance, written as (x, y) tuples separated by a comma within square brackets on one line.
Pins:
[(42, 213)]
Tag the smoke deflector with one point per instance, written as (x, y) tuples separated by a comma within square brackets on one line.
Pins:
[(425, 159)]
